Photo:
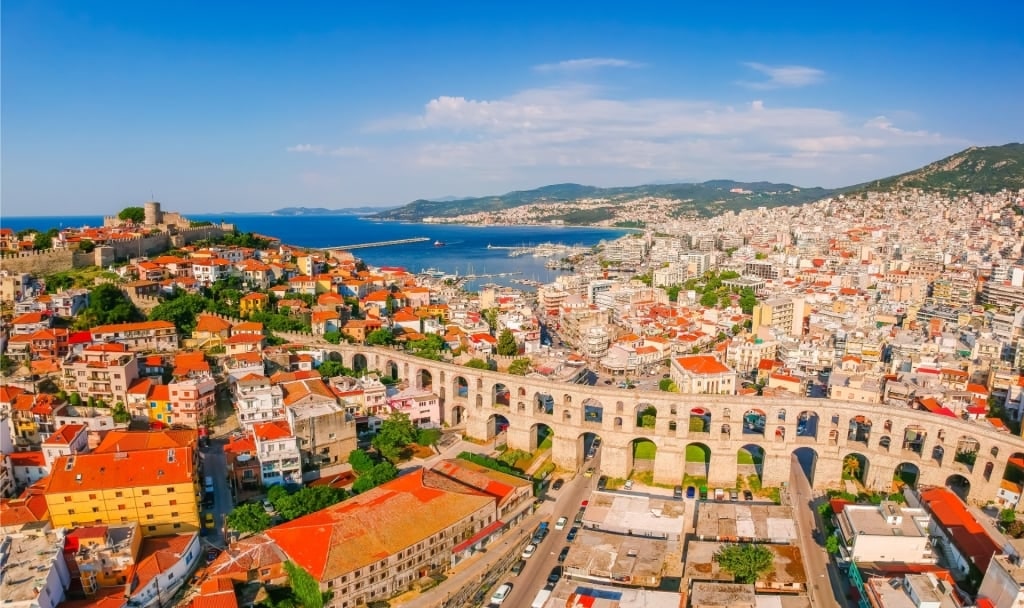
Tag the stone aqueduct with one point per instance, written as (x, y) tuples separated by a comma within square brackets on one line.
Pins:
[(884, 438)]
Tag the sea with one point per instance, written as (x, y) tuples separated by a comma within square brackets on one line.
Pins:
[(463, 250)]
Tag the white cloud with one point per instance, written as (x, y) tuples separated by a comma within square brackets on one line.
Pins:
[(587, 63), (783, 76), (581, 131), (322, 150), (306, 148)]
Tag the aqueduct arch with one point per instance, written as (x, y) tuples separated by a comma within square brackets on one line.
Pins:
[(898, 443)]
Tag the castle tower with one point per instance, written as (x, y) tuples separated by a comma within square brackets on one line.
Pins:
[(154, 216)]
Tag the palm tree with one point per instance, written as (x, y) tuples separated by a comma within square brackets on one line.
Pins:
[(851, 467)]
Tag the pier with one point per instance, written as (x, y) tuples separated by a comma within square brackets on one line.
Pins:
[(418, 239)]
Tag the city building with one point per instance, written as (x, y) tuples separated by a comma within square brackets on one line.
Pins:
[(278, 453), (143, 336), (702, 374), (102, 371), (34, 572), (885, 533), (157, 488)]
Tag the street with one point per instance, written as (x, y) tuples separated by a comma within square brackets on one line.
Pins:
[(562, 503), (215, 466), (817, 564)]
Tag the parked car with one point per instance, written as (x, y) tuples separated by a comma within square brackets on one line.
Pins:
[(563, 554), (556, 575), (529, 551), (571, 536), (212, 553), (558, 484), (733, 494), (748, 495), (560, 524), (691, 492), (579, 517), (269, 508), (208, 522), (500, 595), (518, 567), (589, 472), (628, 485), (677, 492), (602, 482)]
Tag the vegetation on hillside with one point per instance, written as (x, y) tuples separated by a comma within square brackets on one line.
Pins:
[(708, 198), (986, 170)]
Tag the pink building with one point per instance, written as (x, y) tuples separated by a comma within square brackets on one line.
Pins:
[(422, 406)]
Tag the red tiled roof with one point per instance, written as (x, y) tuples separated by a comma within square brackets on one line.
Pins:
[(109, 470), (27, 459), (966, 533), (276, 429), (64, 435), (702, 364), (373, 525)]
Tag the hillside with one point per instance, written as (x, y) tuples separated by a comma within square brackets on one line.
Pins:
[(985, 170), (708, 198)]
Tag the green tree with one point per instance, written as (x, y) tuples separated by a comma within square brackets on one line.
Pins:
[(334, 337), (491, 317), (519, 367), (507, 346), (44, 240), (648, 417), (396, 432), (429, 347), (249, 518), (1007, 515), (667, 385), (1015, 528), (121, 413), (276, 494), (135, 214), (380, 337), (381, 472), (673, 292), (86, 246), (832, 544), (361, 461), (7, 365), (851, 467), (309, 500), (304, 587), (330, 369), (108, 304), (477, 363), (708, 299), (75, 399), (182, 310), (746, 562), (748, 300)]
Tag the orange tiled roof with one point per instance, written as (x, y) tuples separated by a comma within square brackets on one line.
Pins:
[(210, 323), (130, 441), (377, 523), (702, 364), (110, 470), (158, 555), (275, 429), (34, 458), (64, 435)]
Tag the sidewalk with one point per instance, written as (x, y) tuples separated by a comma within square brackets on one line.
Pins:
[(474, 569)]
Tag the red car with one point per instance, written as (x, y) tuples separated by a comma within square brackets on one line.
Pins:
[(583, 505)]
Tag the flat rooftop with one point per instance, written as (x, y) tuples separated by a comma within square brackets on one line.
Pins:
[(572, 594), (745, 520), (27, 560), (640, 513), (702, 566), (605, 557), (886, 519)]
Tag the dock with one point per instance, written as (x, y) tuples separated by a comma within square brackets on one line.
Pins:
[(418, 239)]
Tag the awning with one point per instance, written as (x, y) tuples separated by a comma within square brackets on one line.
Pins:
[(479, 536)]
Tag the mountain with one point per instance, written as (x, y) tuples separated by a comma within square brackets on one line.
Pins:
[(985, 170), (324, 211), (708, 198)]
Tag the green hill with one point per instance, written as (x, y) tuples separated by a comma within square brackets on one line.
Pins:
[(708, 198), (985, 170)]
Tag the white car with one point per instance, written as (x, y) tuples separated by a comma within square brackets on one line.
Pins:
[(500, 595), (560, 524), (529, 550), (628, 485)]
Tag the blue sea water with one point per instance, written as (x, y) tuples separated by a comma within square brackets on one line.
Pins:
[(465, 247)]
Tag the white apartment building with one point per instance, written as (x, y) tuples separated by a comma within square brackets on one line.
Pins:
[(257, 401), (278, 451), (888, 532)]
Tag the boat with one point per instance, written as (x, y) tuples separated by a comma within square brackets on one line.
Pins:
[(438, 243)]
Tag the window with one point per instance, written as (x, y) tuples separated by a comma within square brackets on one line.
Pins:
[(71, 511), (177, 525), (151, 528), (170, 490), (67, 499), (173, 502), (174, 513), (95, 509), (147, 504), (92, 497), (120, 507), (149, 516), (145, 492)]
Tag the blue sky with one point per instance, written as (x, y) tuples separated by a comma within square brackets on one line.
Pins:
[(254, 106)]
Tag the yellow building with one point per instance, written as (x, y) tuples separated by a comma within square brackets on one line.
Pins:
[(252, 302), (155, 487)]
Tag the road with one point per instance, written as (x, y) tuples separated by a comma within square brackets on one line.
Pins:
[(822, 577), (215, 466), (564, 502)]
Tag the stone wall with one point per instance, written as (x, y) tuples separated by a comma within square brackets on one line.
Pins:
[(46, 262)]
